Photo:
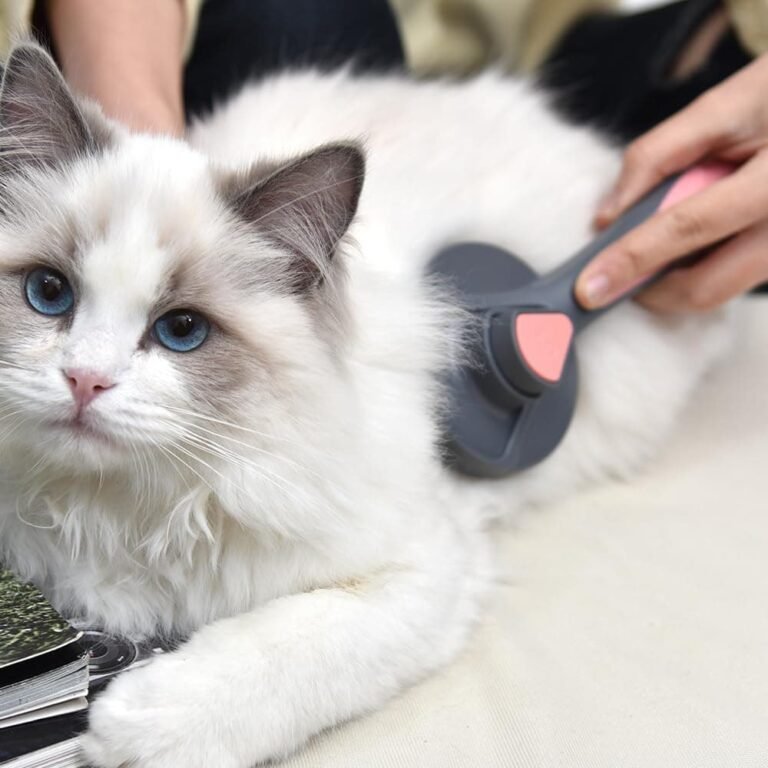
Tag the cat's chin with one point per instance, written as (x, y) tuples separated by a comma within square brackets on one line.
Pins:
[(79, 445), (81, 431)]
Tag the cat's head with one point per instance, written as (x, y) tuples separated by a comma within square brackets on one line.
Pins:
[(147, 299)]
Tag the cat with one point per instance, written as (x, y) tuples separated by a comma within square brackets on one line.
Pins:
[(220, 375)]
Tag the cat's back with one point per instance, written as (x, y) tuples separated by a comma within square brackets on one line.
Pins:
[(483, 158)]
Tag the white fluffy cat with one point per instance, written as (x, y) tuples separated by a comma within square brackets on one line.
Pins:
[(218, 387)]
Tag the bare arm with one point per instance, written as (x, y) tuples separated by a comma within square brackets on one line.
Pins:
[(125, 54)]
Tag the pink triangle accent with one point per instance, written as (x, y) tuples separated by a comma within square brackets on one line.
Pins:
[(544, 339)]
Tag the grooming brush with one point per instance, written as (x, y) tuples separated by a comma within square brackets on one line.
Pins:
[(510, 406)]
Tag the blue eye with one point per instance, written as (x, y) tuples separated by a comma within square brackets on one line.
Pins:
[(49, 292), (182, 330)]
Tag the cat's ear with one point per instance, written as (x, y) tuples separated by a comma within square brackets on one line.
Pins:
[(306, 207), (40, 122)]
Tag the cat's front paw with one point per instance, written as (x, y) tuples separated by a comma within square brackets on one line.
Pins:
[(160, 716)]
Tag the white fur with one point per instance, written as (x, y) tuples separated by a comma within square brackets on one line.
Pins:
[(334, 562)]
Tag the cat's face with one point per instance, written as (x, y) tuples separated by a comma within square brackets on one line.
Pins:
[(147, 299)]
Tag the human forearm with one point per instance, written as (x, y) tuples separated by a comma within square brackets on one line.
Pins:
[(125, 54)]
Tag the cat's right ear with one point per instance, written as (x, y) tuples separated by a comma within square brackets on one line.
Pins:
[(40, 122), (304, 208)]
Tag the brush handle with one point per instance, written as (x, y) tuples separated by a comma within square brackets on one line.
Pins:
[(667, 194), (555, 290)]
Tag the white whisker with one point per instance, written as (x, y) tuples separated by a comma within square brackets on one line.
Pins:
[(277, 480), (229, 424), (250, 446)]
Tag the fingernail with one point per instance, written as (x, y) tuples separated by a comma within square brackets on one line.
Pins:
[(596, 288)]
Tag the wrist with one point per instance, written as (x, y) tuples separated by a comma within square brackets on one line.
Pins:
[(147, 115)]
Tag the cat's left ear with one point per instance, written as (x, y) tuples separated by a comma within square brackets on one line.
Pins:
[(306, 207), (40, 121)]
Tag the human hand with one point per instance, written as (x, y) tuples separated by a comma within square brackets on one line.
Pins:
[(730, 123)]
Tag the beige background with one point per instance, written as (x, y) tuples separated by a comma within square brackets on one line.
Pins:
[(630, 628)]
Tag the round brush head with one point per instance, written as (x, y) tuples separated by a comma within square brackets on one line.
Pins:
[(510, 406)]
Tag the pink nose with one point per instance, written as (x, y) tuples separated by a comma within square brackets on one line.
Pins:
[(86, 385)]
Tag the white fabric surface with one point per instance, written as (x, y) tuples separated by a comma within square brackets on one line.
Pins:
[(630, 627)]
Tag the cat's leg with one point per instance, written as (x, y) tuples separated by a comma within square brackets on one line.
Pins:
[(257, 686)]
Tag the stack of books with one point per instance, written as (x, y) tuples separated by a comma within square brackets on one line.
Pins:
[(49, 670)]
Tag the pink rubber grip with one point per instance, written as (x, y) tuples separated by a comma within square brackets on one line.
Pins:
[(694, 181)]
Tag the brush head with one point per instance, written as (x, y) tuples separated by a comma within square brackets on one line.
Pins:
[(510, 406)]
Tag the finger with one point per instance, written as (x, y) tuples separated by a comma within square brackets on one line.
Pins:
[(696, 131), (730, 205), (733, 269)]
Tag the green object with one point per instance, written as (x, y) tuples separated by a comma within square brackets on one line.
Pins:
[(29, 626)]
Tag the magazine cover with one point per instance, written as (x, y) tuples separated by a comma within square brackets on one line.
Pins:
[(43, 679), (29, 626)]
